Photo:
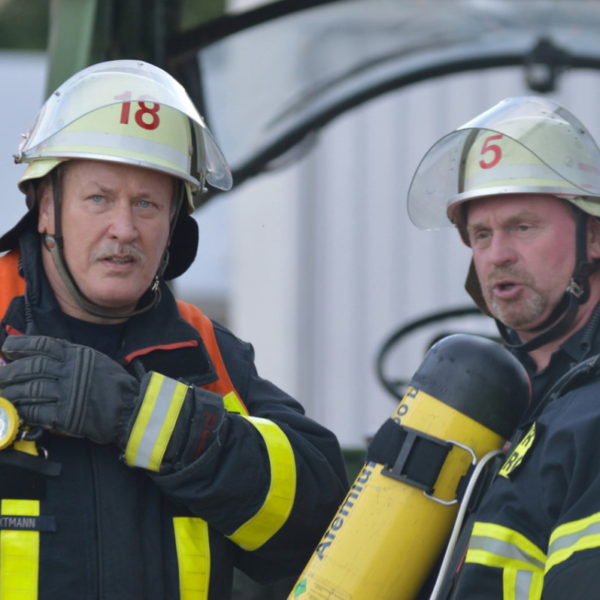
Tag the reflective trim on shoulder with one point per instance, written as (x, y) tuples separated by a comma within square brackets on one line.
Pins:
[(233, 404), (155, 422), (572, 537), (278, 503), (520, 559), (19, 553), (193, 557)]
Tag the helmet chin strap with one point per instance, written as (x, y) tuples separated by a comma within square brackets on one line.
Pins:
[(559, 322), (576, 294), (54, 244)]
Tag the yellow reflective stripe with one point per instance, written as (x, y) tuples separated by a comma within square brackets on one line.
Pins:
[(522, 584), (193, 557), (494, 559), (509, 580), (504, 546), (155, 422), (19, 554), (572, 537), (521, 561), (233, 404), (282, 490)]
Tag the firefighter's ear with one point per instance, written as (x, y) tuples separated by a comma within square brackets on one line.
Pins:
[(46, 207)]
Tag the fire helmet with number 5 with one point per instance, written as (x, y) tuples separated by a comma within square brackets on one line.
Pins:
[(130, 112), (522, 145)]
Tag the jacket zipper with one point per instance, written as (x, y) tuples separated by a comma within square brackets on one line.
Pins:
[(97, 525)]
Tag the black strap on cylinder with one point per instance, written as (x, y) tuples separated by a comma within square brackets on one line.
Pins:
[(408, 455)]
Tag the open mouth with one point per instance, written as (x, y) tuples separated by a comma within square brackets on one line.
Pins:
[(506, 289)]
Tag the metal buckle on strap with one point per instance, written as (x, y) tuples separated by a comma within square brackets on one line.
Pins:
[(408, 451), (575, 289), (473, 456)]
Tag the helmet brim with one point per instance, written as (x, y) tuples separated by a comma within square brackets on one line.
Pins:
[(37, 170)]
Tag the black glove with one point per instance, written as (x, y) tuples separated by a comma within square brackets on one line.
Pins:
[(77, 391), (68, 388)]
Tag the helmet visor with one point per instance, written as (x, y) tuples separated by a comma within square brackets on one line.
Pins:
[(141, 90), (521, 145)]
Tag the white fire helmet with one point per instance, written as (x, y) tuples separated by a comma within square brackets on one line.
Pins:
[(522, 145), (125, 111)]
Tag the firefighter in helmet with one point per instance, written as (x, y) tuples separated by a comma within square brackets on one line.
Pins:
[(521, 182), (142, 456)]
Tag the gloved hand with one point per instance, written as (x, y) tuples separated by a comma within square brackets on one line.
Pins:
[(67, 388), (75, 390)]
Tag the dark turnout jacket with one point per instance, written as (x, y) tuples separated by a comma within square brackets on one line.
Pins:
[(80, 524), (537, 531)]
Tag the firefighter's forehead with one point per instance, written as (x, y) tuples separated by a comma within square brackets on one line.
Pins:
[(516, 206)]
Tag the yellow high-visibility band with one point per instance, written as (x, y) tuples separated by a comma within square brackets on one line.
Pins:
[(572, 537), (155, 422), (19, 553), (506, 544), (522, 584), (193, 557), (278, 503), (233, 404), (521, 561)]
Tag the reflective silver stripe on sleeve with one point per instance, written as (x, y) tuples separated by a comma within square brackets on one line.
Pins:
[(503, 549), (571, 537), (155, 422)]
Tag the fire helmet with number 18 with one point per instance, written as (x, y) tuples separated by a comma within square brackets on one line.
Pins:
[(128, 112), (522, 145)]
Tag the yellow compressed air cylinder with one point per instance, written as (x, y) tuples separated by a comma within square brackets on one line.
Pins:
[(388, 534)]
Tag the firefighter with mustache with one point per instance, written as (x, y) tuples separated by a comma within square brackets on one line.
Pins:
[(142, 456)]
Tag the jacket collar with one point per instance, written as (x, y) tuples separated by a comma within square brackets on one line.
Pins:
[(158, 339)]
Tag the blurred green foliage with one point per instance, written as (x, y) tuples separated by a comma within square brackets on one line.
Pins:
[(24, 25), (196, 12)]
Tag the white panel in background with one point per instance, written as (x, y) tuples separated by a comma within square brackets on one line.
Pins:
[(360, 268), (23, 76)]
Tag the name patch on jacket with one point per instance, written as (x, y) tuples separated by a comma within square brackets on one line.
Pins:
[(28, 523), (516, 457)]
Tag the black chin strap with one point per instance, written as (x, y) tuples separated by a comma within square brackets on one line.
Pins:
[(565, 312), (54, 244), (576, 294), (153, 295)]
